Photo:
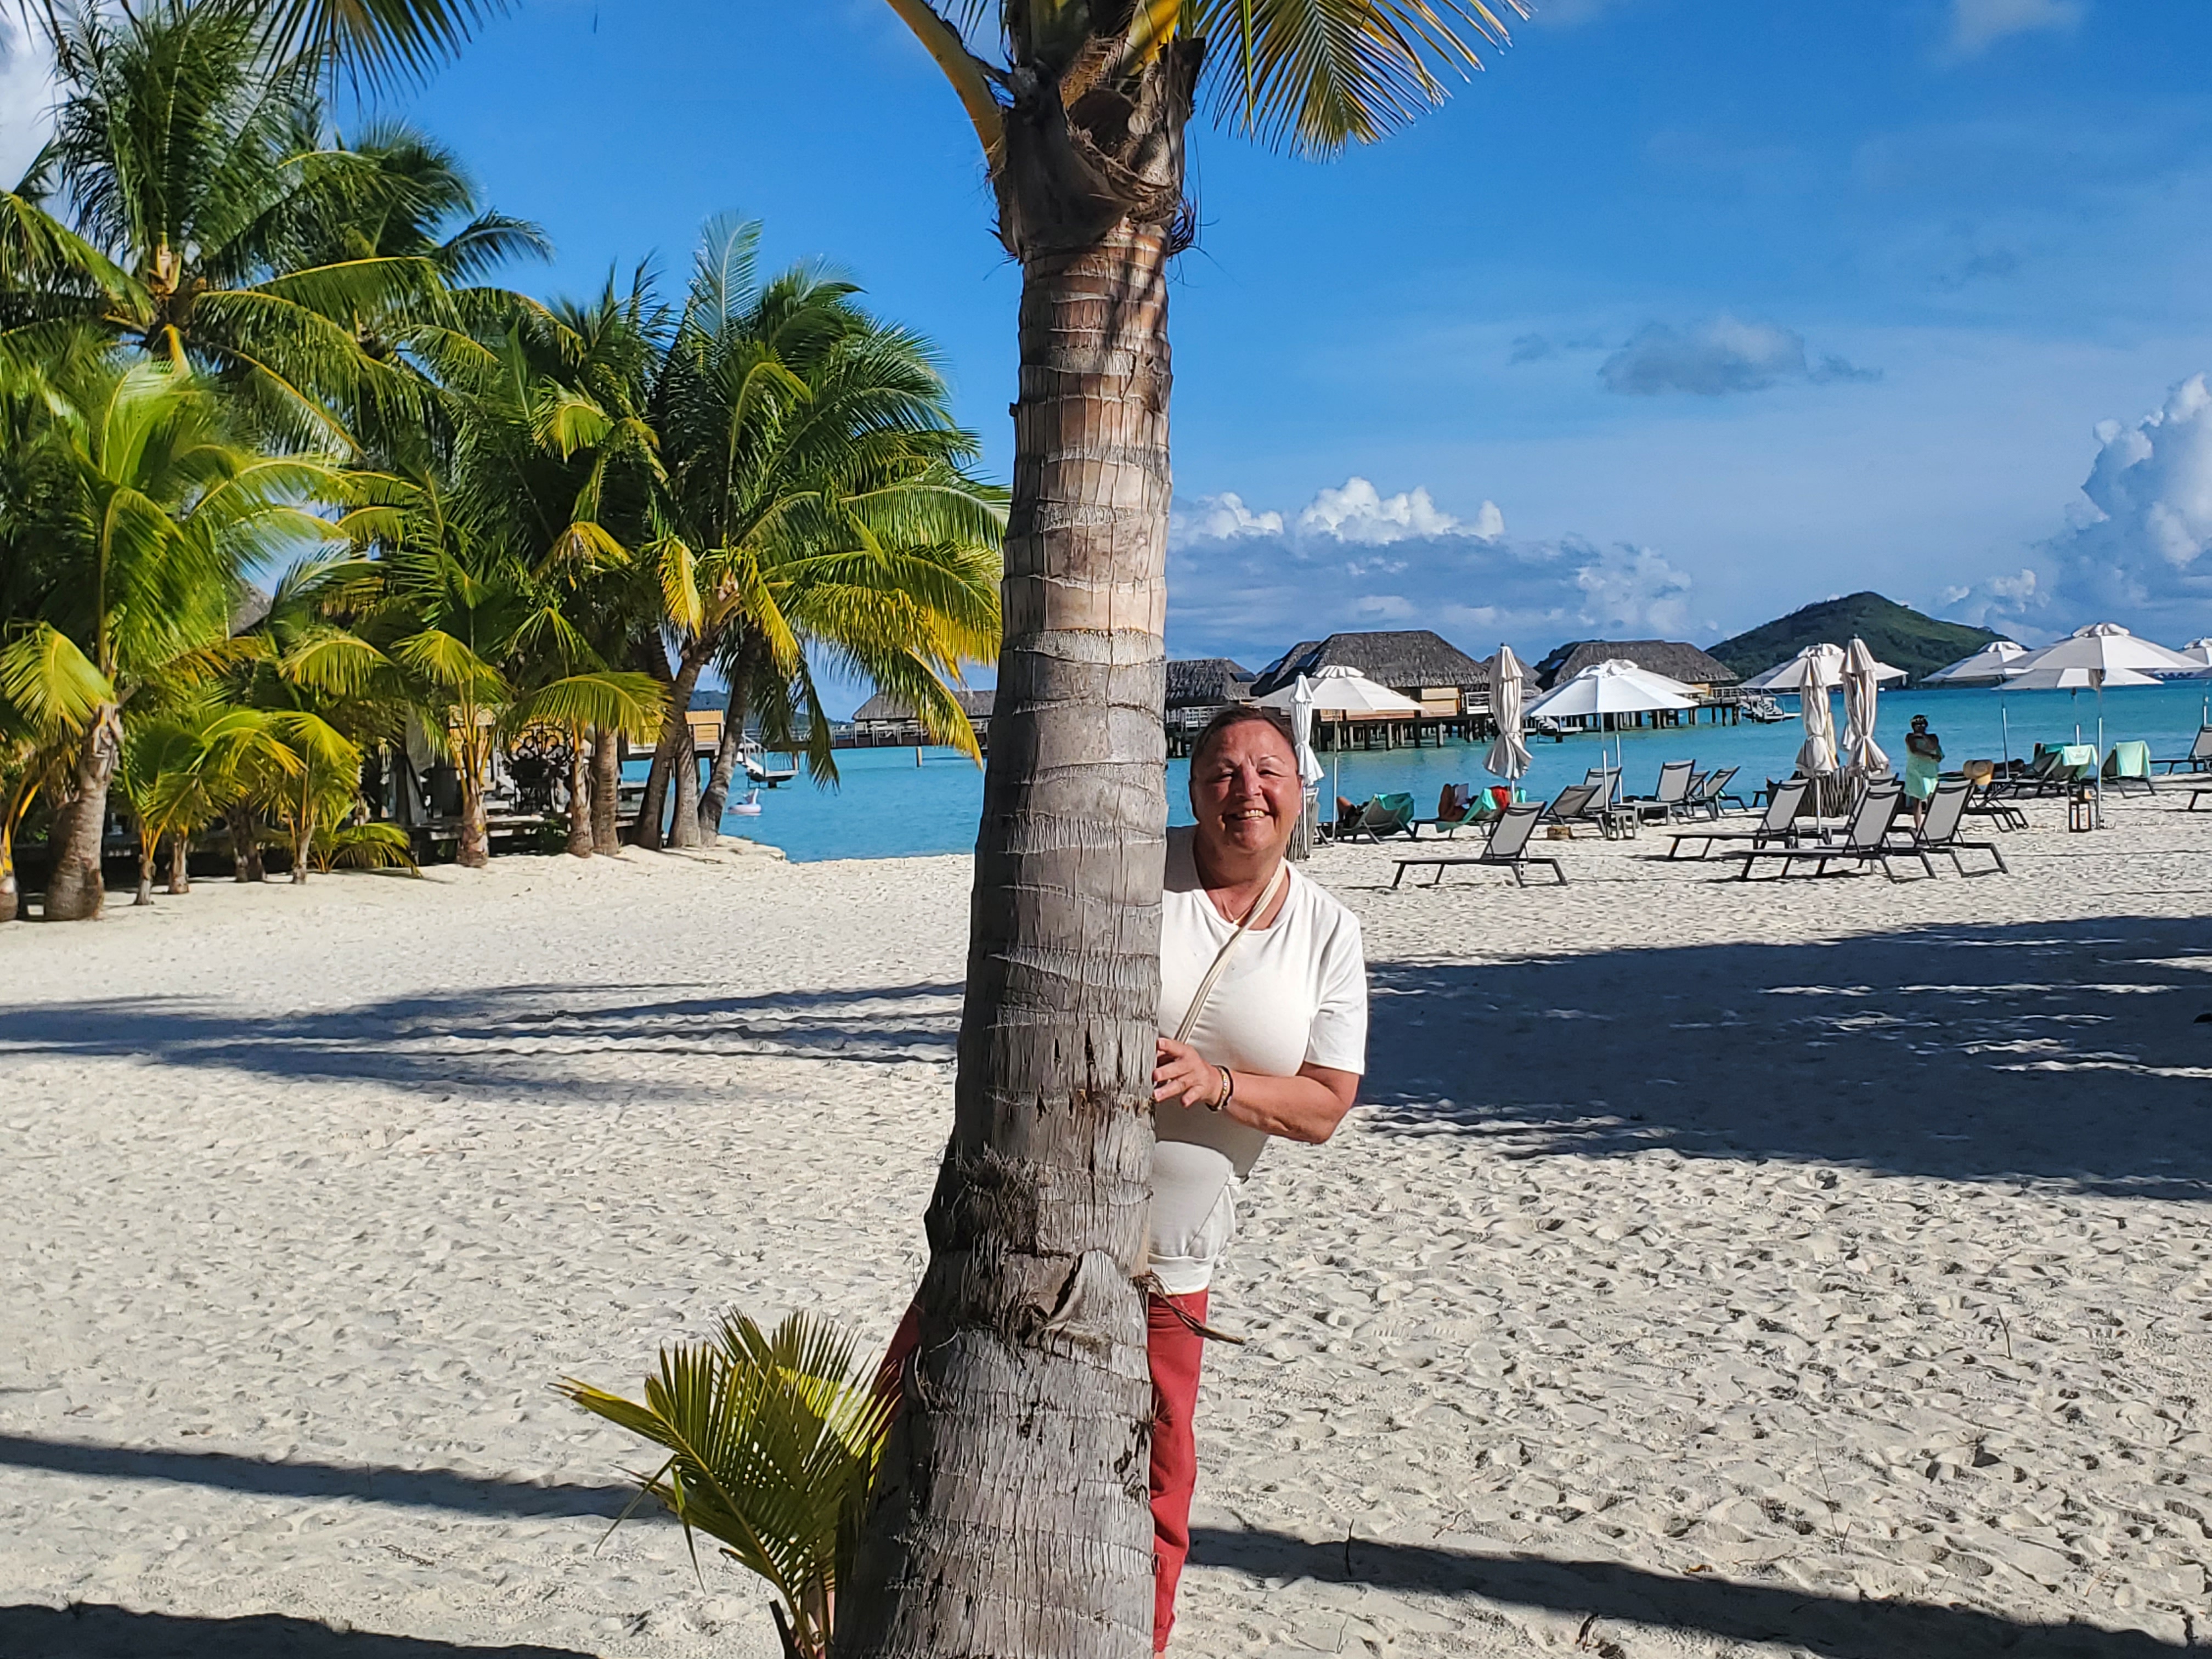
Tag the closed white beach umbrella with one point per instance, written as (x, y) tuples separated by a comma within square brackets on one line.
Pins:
[(1816, 757), (1337, 689), (1992, 663), (1509, 756), (1863, 756), (1309, 772), (1612, 687)]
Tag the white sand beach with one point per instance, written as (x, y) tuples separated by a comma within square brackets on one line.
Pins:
[(1817, 1268)]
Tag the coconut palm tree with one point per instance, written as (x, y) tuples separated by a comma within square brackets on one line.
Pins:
[(805, 444), (153, 515), (192, 148), (1038, 1222)]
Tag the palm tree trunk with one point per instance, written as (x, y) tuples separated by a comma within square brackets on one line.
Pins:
[(712, 803), (606, 793), (74, 890), (675, 739), (1011, 1514), (684, 815), (181, 864), (149, 848), (474, 852), (245, 844), (579, 794)]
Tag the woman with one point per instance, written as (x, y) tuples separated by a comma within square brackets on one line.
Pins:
[(1264, 988), (1923, 760), (1274, 1046)]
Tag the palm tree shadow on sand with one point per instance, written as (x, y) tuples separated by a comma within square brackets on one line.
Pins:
[(2060, 1052), (94, 1631)]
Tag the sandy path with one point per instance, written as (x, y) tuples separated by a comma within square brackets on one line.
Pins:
[(1806, 1269)]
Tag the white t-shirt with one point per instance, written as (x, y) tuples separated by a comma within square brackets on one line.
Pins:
[(1294, 993)]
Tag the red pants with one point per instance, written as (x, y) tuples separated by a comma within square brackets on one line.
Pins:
[(1177, 1351)]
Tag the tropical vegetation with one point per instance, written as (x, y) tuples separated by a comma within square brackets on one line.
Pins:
[(502, 538), (771, 1440)]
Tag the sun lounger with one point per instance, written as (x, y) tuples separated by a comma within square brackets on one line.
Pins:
[(1778, 823), (1675, 778), (1507, 849), (1866, 839), (2127, 767), (1707, 793), (2029, 779), (1385, 815), (2199, 758), (1585, 803), (1481, 809), (1981, 805), (1939, 829)]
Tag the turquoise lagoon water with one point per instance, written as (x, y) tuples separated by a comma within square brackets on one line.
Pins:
[(888, 807)]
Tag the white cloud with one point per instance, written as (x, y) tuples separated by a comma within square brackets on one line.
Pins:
[(1714, 358), (27, 95), (1977, 25), (1250, 584), (1360, 512), (2144, 549), (2011, 605)]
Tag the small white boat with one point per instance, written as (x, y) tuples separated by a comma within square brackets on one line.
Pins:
[(1764, 710), (749, 807)]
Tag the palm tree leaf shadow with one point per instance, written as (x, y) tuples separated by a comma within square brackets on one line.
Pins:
[(1827, 1625), (2065, 1053), (512, 1041), (91, 1630)]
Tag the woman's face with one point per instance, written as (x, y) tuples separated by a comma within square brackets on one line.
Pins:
[(1245, 790)]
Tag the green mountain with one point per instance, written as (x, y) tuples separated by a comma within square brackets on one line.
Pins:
[(1896, 633)]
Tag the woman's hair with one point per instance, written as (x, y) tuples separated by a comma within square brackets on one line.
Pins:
[(1242, 714)]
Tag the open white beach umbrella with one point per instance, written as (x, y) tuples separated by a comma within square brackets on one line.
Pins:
[(1992, 663), (1863, 756), (2074, 677), (1612, 687), (1509, 756), (2104, 647), (1337, 689)]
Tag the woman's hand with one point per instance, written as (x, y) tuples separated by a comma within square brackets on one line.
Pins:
[(1181, 1074)]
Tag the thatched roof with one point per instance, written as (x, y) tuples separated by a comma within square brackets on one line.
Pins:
[(1671, 657), (884, 707), (1405, 660), (1206, 683)]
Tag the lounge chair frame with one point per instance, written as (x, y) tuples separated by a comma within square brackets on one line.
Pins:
[(1507, 850), (1866, 839)]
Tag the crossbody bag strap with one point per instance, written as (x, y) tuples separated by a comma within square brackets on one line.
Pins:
[(1197, 997)]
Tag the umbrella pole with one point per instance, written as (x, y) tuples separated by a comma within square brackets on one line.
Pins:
[(2007, 719)]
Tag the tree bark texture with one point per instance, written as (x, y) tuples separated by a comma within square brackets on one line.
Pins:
[(579, 795), (717, 796), (1012, 1515), (675, 740), (181, 864), (683, 812), (74, 890), (244, 844), (606, 793)]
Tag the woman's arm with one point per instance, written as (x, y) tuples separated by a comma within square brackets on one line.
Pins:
[(1307, 1107)]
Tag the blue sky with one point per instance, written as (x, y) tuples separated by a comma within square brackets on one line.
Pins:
[(1680, 316)]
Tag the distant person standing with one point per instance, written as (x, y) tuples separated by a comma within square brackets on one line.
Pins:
[(1923, 759)]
